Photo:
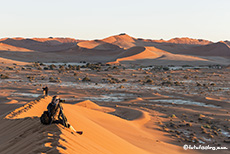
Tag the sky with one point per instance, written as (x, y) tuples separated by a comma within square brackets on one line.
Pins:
[(97, 19)]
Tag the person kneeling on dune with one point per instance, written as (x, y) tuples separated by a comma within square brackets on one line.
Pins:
[(55, 113)]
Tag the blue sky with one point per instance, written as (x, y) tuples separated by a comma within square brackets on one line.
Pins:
[(90, 19)]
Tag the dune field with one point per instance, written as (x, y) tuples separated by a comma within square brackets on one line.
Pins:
[(127, 95)]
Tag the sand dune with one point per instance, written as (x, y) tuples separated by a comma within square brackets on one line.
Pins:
[(186, 40), (60, 40), (227, 42), (215, 49), (39, 44), (6, 47), (123, 41), (98, 45), (22, 132), (118, 48), (135, 54)]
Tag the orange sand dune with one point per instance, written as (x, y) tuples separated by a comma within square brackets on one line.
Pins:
[(137, 53), (98, 45), (186, 40), (22, 132), (123, 41), (10, 61), (118, 48), (6, 47), (61, 40), (176, 41), (39, 44), (152, 53)]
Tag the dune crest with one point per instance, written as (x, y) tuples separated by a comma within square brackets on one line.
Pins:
[(186, 40), (123, 41), (88, 104), (22, 132)]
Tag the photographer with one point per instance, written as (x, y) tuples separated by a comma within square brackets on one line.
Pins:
[(56, 113)]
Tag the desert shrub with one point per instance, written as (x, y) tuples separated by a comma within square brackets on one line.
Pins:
[(109, 75), (212, 84), (173, 116), (52, 67), (30, 77), (3, 76), (167, 83), (10, 68), (186, 77), (207, 126), (115, 67), (113, 80), (61, 68), (150, 81), (51, 79), (121, 87), (165, 68), (198, 84), (116, 80), (124, 80), (86, 79), (176, 83)]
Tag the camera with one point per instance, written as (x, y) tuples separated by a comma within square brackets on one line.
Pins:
[(62, 100)]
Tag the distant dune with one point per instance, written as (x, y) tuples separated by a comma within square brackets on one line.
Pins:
[(214, 49), (152, 55), (6, 47), (123, 41), (190, 41), (98, 45), (117, 48)]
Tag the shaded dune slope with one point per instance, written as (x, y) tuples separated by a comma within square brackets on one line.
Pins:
[(215, 49), (39, 44), (98, 45)]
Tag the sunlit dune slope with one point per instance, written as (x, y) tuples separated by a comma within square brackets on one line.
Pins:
[(186, 40), (6, 47), (22, 132), (123, 41), (152, 53), (98, 45)]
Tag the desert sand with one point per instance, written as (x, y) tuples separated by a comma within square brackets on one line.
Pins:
[(114, 49), (128, 95)]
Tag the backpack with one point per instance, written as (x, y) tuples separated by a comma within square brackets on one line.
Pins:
[(45, 118), (52, 108)]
